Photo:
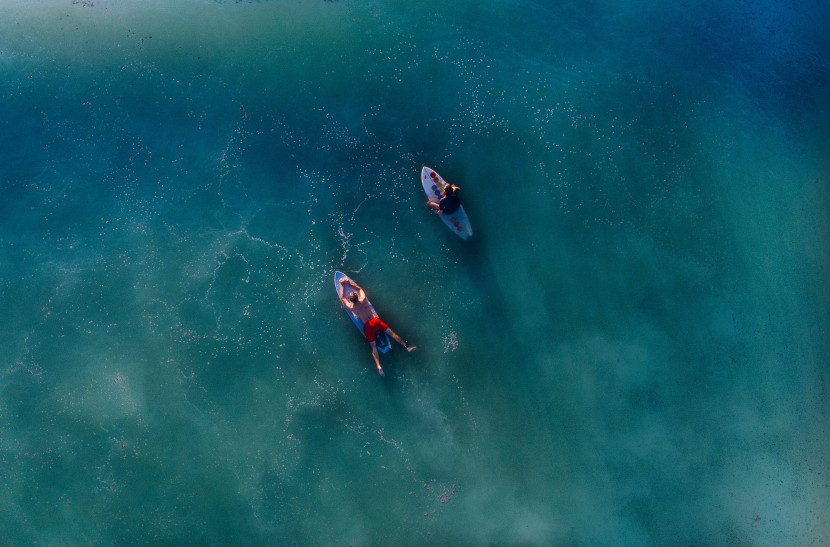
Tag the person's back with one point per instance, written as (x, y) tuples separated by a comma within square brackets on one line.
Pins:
[(450, 203), (372, 324), (362, 311), (359, 306)]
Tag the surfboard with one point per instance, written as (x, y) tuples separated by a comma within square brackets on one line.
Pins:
[(383, 343), (433, 185)]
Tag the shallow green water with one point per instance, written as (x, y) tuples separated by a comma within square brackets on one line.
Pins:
[(633, 349)]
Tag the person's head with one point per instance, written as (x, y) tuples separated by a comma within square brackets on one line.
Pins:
[(448, 190), (353, 298)]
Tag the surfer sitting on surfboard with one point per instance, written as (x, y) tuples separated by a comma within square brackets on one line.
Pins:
[(450, 203), (372, 324)]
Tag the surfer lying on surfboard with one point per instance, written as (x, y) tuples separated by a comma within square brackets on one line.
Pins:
[(372, 324), (449, 203), (444, 202)]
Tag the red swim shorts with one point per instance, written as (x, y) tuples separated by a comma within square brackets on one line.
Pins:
[(372, 327)]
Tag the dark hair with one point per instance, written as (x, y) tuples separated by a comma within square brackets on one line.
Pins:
[(448, 190), (353, 297)]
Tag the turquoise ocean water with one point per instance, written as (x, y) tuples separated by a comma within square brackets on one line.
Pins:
[(632, 350)]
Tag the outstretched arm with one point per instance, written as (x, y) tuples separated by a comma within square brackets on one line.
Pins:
[(343, 298), (361, 296)]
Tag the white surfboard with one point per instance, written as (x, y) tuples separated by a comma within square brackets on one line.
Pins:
[(433, 185), (383, 343)]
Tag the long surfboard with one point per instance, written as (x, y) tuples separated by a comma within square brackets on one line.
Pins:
[(433, 185), (383, 343)]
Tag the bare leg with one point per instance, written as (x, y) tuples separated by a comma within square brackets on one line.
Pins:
[(398, 339), (376, 357)]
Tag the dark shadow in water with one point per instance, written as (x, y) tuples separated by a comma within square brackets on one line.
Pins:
[(510, 357), (479, 269), (503, 361)]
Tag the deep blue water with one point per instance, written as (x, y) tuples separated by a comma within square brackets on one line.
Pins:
[(632, 350)]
